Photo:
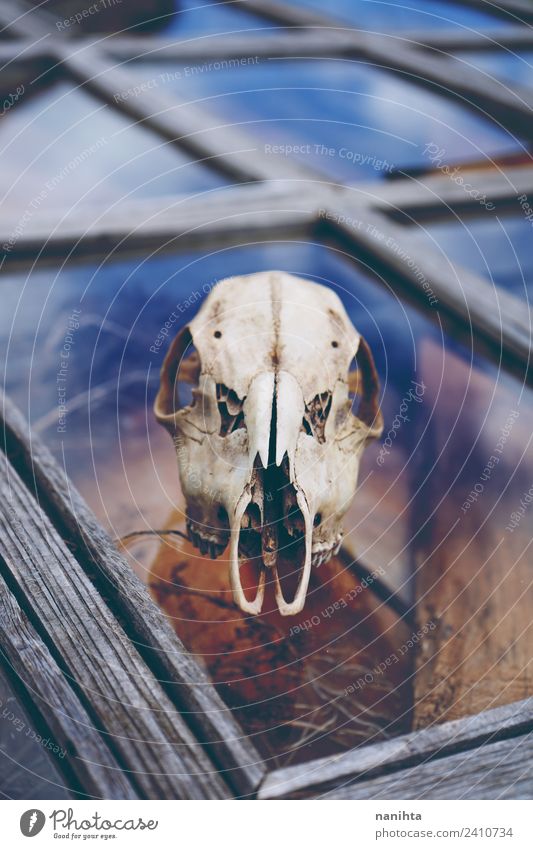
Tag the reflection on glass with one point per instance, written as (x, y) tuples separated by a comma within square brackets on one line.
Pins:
[(62, 149), (349, 669), (348, 120), (393, 15), (497, 248)]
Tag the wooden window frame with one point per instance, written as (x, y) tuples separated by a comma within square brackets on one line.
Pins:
[(272, 200)]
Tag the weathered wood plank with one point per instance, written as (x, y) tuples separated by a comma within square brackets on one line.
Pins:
[(264, 44), (178, 673), (190, 127), (87, 758), (437, 195), (179, 223), (318, 776), (146, 732), (21, 22), (521, 8), (501, 770), (20, 65), (474, 577), (515, 37)]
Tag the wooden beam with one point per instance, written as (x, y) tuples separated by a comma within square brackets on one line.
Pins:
[(177, 673), (503, 8), (86, 765), (125, 701), (436, 195), (184, 124), (397, 53), (429, 744), (500, 771), (499, 317), (177, 223), (263, 45)]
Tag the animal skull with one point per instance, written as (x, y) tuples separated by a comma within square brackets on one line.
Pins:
[(269, 447)]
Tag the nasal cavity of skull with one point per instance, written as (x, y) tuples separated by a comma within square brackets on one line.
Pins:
[(316, 416), (230, 409)]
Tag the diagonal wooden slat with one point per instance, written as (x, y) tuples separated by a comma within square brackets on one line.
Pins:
[(177, 223), (176, 671), (126, 702), (316, 777), (499, 771), (178, 120)]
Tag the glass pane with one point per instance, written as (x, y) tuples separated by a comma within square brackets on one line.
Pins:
[(392, 15), (27, 770), (198, 16), (493, 247), (348, 120), (62, 149), (501, 64), (83, 349)]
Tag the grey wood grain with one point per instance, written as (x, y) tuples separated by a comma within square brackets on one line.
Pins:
[(513, 36), (435, 194), (86, 757), (433, 742), (147, 628), (521, 8), (125, 701), (501, 770)]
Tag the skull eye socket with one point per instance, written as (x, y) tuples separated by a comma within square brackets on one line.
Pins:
[(180, 375), (316, 416), (230, 407)]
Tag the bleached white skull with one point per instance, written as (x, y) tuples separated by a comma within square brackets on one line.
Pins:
[(269, 446)]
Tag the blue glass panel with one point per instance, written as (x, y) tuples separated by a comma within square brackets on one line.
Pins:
[(392, 15), (348, 120), (63, 147), (501, 64), (496, 248), (27, 768), (197, 16)]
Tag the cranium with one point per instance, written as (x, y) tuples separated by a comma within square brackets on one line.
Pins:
[(269, 446)]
